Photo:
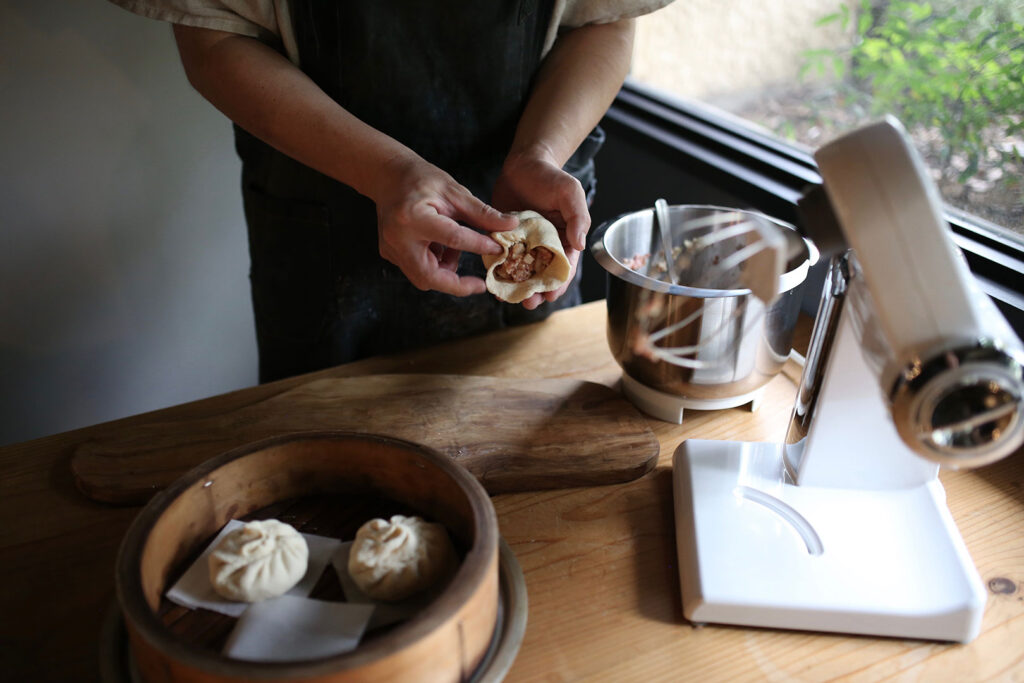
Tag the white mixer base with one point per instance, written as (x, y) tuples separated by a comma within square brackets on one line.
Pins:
[(756, 551), (670, 408)]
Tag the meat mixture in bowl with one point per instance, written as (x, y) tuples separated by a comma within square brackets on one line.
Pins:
[(521, 264)]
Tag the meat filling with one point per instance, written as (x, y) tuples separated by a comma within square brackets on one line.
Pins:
[(521, 264)]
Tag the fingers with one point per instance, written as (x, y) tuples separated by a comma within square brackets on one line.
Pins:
[(448, 282), (544, 187), (426, 222), (574, 256), (419, 230), (471, 210), (427, 250), (454, 236), (431, 274), (536, 300), (573, 205), (552, 296), (532, 302), (432, 266), (449, 258)]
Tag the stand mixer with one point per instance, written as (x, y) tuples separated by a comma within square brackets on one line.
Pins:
[(844, 527)]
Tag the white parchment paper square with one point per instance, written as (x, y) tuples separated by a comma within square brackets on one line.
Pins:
[(194, 590), (291, 629)]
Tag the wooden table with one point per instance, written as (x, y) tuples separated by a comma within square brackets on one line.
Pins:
[(599, 562)]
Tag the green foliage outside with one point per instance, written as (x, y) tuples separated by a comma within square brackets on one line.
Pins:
[(954, 68)]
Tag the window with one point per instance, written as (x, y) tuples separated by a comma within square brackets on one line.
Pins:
[(694, 124), (805, 71)]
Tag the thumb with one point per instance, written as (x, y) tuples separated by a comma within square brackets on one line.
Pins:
[(483, 216)]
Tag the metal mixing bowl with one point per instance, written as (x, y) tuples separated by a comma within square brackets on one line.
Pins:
[(741, 343)]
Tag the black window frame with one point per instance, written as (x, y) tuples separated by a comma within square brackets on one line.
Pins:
[(772, 175)]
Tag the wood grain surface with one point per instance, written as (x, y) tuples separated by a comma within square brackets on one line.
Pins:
[(514, 435), (599, 561)]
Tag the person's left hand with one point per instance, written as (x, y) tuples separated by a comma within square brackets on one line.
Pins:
[(533, 181)]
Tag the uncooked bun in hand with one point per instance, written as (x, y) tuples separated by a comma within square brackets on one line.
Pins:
[(533, 260), (257, 561), (394, 559)]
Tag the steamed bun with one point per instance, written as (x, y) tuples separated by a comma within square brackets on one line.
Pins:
[(533, 260), (394, 559), (258, 560)]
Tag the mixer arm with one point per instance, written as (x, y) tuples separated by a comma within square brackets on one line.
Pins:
[(950, 367)]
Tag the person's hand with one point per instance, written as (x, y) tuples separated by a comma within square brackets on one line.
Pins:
[(531, 180), (418, 226)]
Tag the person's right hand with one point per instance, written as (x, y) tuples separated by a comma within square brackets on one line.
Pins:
[(533, 180), (418, 226)]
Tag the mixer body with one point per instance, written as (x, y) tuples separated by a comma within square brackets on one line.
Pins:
[(844, 527)]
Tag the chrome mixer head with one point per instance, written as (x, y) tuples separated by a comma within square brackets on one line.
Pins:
[(964, 406)]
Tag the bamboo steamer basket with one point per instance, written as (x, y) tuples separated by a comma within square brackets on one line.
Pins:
[(445, 641)]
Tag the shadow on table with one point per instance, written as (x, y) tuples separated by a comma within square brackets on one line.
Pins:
[(658, 592)]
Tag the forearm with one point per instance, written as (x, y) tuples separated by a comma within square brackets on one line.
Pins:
[(575, 86), (267, 95)]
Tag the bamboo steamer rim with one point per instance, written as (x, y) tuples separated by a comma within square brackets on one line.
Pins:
[(479, 560)]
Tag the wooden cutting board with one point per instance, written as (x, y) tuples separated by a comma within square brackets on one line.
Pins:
[(512, 434)]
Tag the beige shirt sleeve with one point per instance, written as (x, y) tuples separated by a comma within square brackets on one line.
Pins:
[(582, 12), (270, 20), (569, 14), (267, 20)]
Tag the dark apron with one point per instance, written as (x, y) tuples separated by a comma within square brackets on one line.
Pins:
[(448, 79)]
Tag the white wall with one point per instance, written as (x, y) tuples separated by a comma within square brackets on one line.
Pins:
[(723, 49), (123, 258)]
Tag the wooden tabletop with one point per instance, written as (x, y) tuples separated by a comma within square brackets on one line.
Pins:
[(599, 562)]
